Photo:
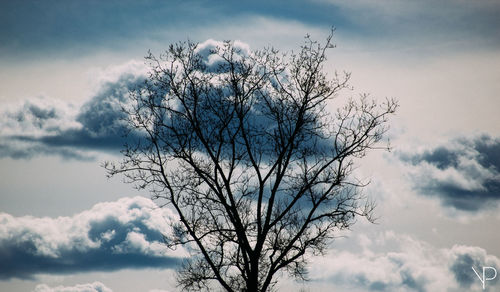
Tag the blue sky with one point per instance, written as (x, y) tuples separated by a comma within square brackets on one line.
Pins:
[(65, 65)]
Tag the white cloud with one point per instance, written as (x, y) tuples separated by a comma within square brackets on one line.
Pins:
[(398, 262), (37, 116), (463, 173), (47, 126), (386, 261), (207, 50), (109, 236), (111, 74), (90, 287)]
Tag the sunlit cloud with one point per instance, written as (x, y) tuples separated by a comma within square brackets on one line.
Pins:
[(399, 262), (45, 126), (128, 233), (464, 173), (89, 287)]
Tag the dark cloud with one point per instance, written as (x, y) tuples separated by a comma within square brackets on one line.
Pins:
[(40, 115), (441, 21), (464, 174), (29, 151), (124, 234), (101, 118), (465, 258), (42, 126), (441, 157), (462, 267), (29, 28)]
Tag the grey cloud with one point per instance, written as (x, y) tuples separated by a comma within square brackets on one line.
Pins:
[(461, 269), (101, 119), (98, 125), (464, 174), (127, 233), (412, 282), (406, 280), (42, 126), (35, 114), (39, 114), (441, 157), (216, 118), (395, 269), (28, 28), (102, 116), (89, 287), (435, 25), (29, 150), (465, 258), (398, 262)]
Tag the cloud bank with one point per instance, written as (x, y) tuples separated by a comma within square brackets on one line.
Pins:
[(44, 126), (436, 25), (59, 28), (464, 173), (127, 233), (90, 287), (397, 262)]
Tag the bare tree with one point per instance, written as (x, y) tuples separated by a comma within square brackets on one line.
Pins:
[(243, 147)]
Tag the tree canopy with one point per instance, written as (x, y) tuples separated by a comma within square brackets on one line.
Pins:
[(246, 148)]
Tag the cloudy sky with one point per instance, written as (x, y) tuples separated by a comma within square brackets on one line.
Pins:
[(66, 65)]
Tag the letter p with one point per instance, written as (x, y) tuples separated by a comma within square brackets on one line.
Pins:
[(484, 274), (484, 279)]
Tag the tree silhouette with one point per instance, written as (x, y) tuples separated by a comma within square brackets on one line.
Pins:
[(241, 144)]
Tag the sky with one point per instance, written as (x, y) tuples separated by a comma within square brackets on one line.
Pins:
[(65, 66)]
